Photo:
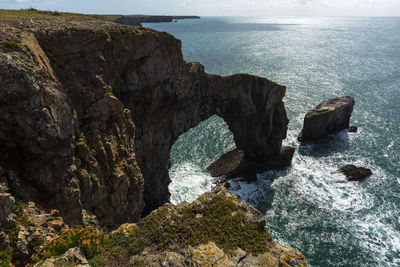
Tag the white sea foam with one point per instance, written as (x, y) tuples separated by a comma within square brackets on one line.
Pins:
[(188, 182), (310, 206)]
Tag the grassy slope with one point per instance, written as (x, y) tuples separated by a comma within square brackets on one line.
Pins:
[(33, 13)]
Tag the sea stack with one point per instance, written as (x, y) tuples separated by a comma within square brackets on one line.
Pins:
[(328, 117)]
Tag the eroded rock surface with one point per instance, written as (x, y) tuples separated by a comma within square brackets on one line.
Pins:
[(328, 117)]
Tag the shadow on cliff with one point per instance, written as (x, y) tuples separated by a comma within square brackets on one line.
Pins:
[(328, 146)]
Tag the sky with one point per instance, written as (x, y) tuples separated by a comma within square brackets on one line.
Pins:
[(259, 8)]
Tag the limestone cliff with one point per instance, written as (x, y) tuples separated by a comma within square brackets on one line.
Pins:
[(90, 110), (75, 92)]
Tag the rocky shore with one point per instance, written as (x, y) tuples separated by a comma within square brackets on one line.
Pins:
[(90, 111)]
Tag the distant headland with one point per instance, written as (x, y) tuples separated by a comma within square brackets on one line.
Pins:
[(137, 20)]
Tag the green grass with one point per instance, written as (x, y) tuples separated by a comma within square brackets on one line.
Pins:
[(11, 44), (221, 223), (96, 261), (5, 257), (109, 90), (34, 13), (88, 239), (96, 246), (21, 218), (36, 243)]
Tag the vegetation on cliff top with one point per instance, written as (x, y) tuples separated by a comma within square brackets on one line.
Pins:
[(34, 13), (218, 220), (100, 249)]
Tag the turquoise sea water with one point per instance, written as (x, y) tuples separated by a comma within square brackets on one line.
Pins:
[(332, 221)]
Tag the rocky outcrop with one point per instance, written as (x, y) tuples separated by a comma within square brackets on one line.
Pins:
[(328, 117), (353, 129), (180, 96), (75, 143), (354, 173), (235, 164), (211, 255), (85, 103), (246, 245), (214, 229), (73, 257)]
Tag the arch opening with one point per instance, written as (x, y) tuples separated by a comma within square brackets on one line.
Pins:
[(192, 153)]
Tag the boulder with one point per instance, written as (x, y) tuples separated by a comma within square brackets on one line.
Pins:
[(353, 129), (354, 173), (236, 164), (4, 240), (73, 257), (328, 117), (7, 217)]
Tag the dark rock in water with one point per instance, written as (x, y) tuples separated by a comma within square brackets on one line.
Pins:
[(236, 164), (328, 117), (354, 173), (353, 129)]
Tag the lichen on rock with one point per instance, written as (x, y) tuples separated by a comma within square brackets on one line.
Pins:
[(216, 229)]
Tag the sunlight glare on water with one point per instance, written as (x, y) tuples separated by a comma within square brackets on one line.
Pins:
[(309, 206)]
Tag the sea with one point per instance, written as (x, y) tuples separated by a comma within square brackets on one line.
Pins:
[(308, 206)]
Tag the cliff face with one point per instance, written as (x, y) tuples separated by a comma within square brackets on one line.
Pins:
[(86, 103), (66, 142)]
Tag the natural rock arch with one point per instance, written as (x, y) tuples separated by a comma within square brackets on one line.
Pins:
[(65, 119), (203, 144), (251, 106)]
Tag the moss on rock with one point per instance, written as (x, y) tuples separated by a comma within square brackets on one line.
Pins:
[(217, 218)]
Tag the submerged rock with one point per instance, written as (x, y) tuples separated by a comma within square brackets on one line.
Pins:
[(236, 164), (354, 173), (353, 129), (328, 117)]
